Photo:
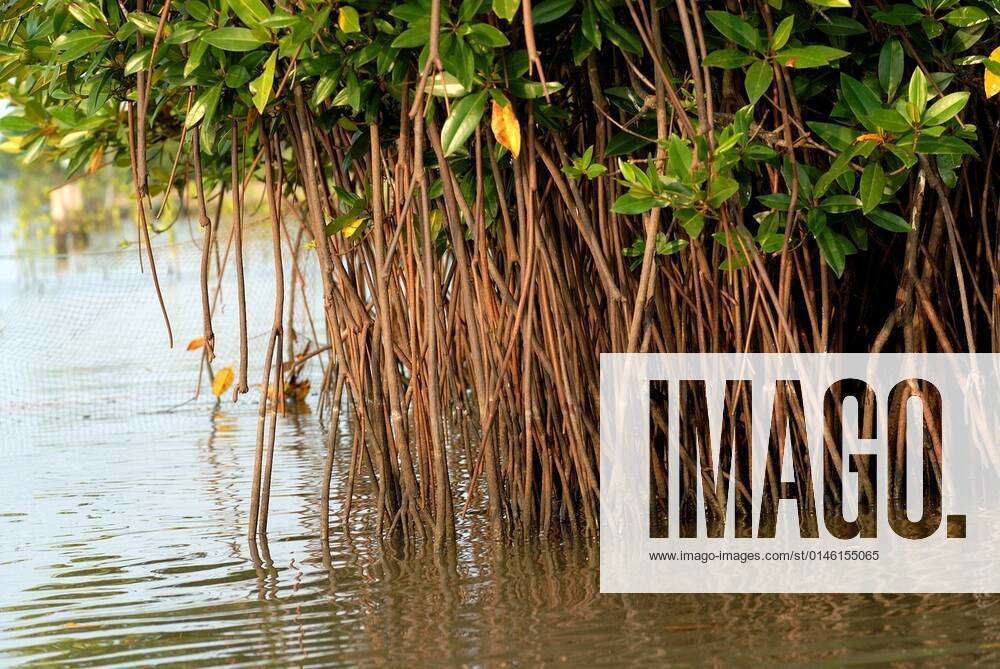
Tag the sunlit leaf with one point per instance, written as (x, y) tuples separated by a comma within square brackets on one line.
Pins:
[(223, 379), (233, 39), (991, 80), (506, 128), (348, 19), (262, 85)]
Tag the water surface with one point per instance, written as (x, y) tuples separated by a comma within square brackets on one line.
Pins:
[(123, 507)]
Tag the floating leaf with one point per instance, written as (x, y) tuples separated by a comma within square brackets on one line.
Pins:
[(223, 379), (196, 343), (506, 128)]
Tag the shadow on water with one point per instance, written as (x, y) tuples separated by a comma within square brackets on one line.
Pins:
[(122, 543)]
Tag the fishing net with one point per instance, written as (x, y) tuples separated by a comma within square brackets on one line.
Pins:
[(83, 339)]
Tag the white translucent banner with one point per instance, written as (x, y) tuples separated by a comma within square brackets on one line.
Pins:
[(800, 473)]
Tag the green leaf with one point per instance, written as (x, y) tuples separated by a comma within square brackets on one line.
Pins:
[(945, 108), (348, 20), (728, 59), (195, 55), (89, 15), (233, 39), (76, 44), (833, 4), (899, 15), (261, 86), (468, 9), (872, 186), (916, 93), (721, 189), (841, 26), (860, 99), (679, 156), (465, 116), (840, 204), (550, 10), (890, 67), (889, 119), (487, 35), (203, 106), (758, 151), (829, 247), (803, 57), (324, 87), (138, 61), (251, 12), (692, 221), (630, 204), (666, 248), (779, 201), (198, 10), (146, 23), (782, 32), (888, 221), (279, 20), (506, 9), (841, 165), (624, 143), (943, 146), (462, 62), (623, 38), (444, 85), (16, 125), (837, 136), (533, 89), (758, 80), (415, 36), (735, 29), (964, 17), (588, 25)]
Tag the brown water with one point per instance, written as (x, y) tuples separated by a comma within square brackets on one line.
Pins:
[(122, 542)]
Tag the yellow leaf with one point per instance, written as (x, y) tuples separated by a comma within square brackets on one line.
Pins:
[(95, 160), (506, 128), (874, 136), (992, 81), (437, 220), (352, 227), (196, 343), (311, 244), (223, 379)]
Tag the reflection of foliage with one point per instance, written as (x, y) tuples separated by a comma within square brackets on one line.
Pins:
[(50, 216)]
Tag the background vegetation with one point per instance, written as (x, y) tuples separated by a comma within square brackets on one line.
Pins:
[(498, 192)]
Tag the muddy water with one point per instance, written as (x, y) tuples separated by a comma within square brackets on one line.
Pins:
[(123, 508)]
